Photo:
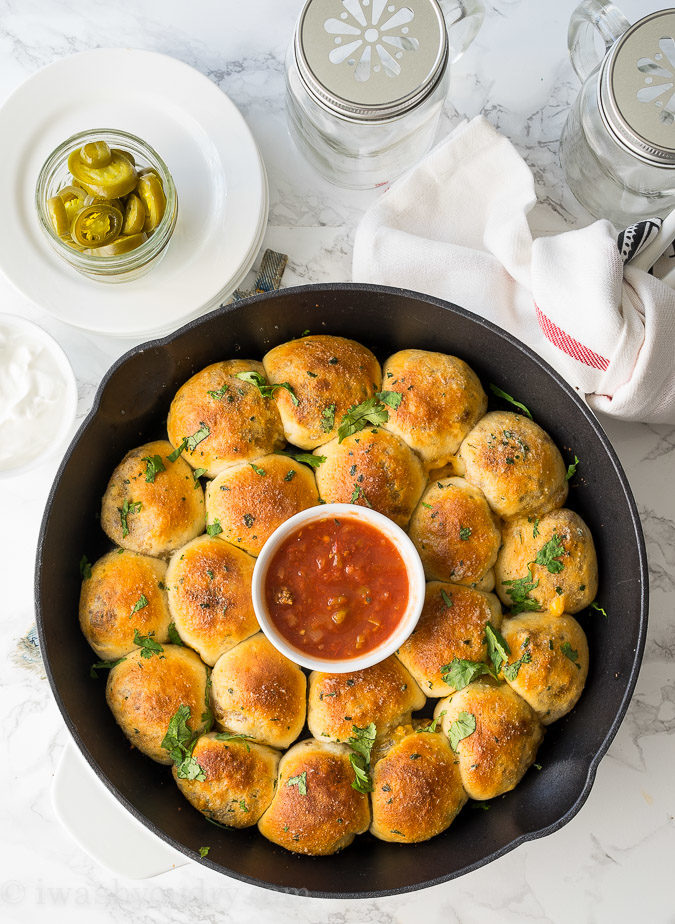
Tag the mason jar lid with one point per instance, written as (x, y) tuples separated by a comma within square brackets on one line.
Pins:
[(368, 60), (637, 89)]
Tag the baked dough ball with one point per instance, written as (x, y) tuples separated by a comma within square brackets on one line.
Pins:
[(372, 468), (240, 780), (494, 757), (442, 399), (256, 691), (385, 694), (516, 465), (447, 632), (209, 585), (249, 501), (154, 517), (315, 809), (126, 591), (456, 534), (417, 788), (567, 590), (144, 693), (328, 375), (242, 424), (554, 677)]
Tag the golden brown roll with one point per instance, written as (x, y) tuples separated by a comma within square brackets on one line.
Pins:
[(417, 788), (240, 780), (372, 468), (442, 399), (328, 376), (144, 693), (516, 465), (495, 755), (125, 592), (247, 502), (256, 691), (548, 664), (315, 809), (445, 632), (152, 506), (241, 424), (567, 578), (209, 585), (456, 534), (385, 694)]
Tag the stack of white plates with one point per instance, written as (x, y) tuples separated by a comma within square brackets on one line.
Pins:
[(219, 175)]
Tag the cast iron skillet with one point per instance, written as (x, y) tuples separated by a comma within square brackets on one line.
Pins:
[(131, 407)]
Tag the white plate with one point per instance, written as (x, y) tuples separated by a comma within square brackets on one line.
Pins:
[(209, 150)]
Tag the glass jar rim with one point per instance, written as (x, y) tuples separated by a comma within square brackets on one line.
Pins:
[(116, 263)]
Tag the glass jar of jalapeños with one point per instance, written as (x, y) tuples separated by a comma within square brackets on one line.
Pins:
[(107, 203)]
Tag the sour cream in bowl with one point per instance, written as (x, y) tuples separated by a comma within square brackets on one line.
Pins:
[(38, 396)]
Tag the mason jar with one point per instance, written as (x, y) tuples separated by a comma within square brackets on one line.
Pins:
[(366, 81), (124, 267), (618, 144)]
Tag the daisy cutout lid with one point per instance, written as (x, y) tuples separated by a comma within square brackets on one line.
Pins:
[(371, 59), (637, 89)]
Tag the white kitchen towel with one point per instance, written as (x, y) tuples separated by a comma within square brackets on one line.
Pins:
[(456, 226)]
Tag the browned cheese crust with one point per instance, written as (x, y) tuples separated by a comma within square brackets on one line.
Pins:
[(144, 693), (243, 425), (126, 592), (447, 632), (256, 691), (565, 591), (372, 468), (249, 505), (329, 814), (516, 465), (442, 399), (493, 759), (328, 376), (239, 784), (209, 585), (417, 789), (385, 694), (553, 680), (171, 508), (456, 534)]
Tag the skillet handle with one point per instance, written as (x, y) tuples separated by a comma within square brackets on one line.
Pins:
[(102, 827)]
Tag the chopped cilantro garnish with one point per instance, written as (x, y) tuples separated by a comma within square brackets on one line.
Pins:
[(446, 598), (433, 726), (358, 493), (461, 728), (549, 554), (257, 469), (307, 458), (153, 466), (571, 468), (227, 736), (85, 568), (460, 672), (214, 529), (127, 508), (174, 637), (203, 851), (596, 606), (147, 644), (502, 394), (218, 393), (103, 665), (371, 411), (519, 591), (328, 418), (464, 532), (570, 653), (361, 744), (196, 475), (265, 389), (140, 604), (249, 520), (300, 781), (179, 741), (498, 649), (290, 475)]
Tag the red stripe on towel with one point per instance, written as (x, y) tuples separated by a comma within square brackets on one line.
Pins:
[(568, 344)]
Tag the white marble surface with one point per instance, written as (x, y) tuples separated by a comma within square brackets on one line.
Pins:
[(614, 861)]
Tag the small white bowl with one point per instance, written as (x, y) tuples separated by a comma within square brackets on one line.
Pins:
[(67, 408), (416, 586)]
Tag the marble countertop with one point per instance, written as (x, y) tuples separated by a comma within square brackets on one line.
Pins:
[(613, 862)]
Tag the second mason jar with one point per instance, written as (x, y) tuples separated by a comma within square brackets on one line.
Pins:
[(366, 81)]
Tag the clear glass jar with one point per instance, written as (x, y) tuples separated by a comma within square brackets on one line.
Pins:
[(618, 159), (54, 175), (366, 83)]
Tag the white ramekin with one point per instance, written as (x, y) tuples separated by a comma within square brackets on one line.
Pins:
[(67, 408), (416, 583)]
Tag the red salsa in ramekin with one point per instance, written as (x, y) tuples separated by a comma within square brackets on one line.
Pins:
[(336, 588)]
